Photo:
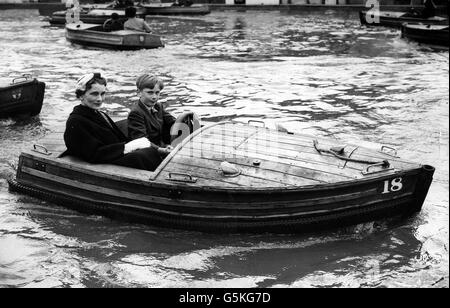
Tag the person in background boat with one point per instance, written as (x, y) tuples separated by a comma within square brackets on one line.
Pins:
[(134, 23), (92, 136), (148, 118), (429, 10), (113, 23)]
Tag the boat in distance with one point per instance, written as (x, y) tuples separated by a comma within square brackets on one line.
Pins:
[(437, 35), (396, 19), (48, 8), (94, 35), (169, 9), (91, 16), (234, 177), (23, 96)]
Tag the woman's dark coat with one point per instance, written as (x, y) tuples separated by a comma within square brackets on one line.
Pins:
[(97, 139)]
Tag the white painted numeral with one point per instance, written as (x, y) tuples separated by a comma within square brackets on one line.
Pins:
[(373, 15), (73, 12), (394, 185)]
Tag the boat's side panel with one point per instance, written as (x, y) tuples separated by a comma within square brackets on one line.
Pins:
[(22, 98), (94, 38), (427, 35), (92, 15), (143, 40)]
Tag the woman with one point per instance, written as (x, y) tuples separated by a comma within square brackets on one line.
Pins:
[(92, 136)]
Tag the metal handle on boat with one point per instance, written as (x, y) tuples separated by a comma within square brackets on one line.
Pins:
[(186, 177), (41, 149), (26, 77), (389, 148), (385, 164), (257, 121)]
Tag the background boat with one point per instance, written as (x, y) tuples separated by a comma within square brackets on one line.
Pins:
[(427, 34), (23, 96), (94, 35)]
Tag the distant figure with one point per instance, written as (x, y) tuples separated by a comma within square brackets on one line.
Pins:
[(429, 10), (133, 23), (113, 23)]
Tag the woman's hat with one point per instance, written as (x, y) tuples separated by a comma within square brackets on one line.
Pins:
[(83, 80)]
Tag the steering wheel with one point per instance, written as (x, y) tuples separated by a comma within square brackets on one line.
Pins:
[(185, 124)]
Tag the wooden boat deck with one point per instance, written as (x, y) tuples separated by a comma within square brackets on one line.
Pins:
[(292, 187), (286, 161)]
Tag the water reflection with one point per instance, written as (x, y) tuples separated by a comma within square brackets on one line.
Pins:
[(95, 251), (313, 72)]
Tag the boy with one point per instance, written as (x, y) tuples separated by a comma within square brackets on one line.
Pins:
[(113, 23), (148, 118)]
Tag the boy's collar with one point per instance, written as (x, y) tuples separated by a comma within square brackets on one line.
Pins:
[(154, 109)]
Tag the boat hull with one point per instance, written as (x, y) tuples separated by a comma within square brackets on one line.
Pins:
[(96, 16), (396, 19), (66, 182), (22, 99), (433, 35)]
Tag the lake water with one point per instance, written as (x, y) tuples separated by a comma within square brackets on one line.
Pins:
[(320, 73)]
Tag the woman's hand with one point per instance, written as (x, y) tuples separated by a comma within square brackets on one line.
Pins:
[(140, 143), (166, 150)]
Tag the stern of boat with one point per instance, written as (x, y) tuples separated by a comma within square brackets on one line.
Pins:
[(423, 185)]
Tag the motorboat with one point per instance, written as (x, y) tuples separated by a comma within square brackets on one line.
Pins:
[(95, 35), (234, 177), (23, 96), (396, 19)]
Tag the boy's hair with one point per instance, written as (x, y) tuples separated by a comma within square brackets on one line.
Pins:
[(130, 12), (97, 78), (114, 16), (148, 81)]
